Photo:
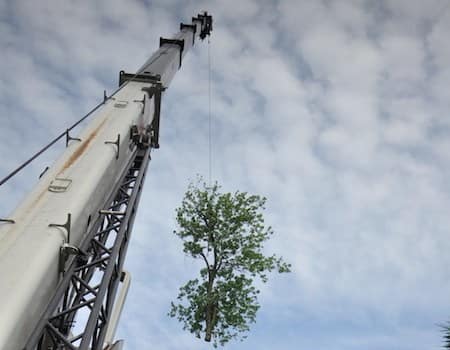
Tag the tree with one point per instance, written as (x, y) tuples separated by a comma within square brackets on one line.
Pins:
[(446, 330), (227, 233)]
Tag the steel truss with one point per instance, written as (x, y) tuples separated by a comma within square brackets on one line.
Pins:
[(90, 283)]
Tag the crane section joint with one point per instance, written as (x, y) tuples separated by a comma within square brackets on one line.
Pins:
[(179, 42), (145, 77), (193, 27)]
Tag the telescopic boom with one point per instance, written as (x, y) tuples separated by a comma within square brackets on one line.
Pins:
[(62, 249)]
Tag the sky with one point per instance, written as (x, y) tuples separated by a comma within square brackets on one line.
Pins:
[(336, 111)]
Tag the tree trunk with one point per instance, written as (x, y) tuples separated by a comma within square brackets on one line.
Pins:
[(209, 324), (211, 308)]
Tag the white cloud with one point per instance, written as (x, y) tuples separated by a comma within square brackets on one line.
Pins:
[(337, 112)]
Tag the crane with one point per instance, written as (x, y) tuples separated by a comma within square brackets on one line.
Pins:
[(62, 249)]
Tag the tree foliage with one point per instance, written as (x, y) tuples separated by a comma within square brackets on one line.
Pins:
[(446, 331), (227, 233)]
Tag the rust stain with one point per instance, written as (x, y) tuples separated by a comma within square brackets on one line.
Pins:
[(80, 150), (35, 202), (39, 197)]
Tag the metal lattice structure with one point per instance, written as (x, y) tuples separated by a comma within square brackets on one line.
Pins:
[(90, 283)]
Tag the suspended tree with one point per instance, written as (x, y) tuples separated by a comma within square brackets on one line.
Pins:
[(227, 233)]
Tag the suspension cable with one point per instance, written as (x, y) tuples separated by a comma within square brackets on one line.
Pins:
[(209, 114), (60, 136)]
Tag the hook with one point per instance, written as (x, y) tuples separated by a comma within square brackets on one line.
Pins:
[(70, 138), (117, 143), (66, 226)]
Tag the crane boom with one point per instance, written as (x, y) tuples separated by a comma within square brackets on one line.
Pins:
[(62, 249)]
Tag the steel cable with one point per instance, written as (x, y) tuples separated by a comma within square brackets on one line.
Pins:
[(209, 115), (59, 137)]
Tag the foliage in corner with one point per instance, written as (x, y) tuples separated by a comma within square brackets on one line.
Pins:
[(446, 330), (227, 233)]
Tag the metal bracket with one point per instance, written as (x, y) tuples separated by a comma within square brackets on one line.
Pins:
[(205, 24), (156, 91), (134, 133), (111, 212), (145, 77), (59, 185), (66, 226), (196, 19), (70, 138), (148, 136), (10, 221), (140, 101), (65, 251), (180, 43), (121, 104), (189, 26), (140, 139), (117, 143)]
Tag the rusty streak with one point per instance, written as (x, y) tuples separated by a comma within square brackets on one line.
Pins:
[(81, 148)]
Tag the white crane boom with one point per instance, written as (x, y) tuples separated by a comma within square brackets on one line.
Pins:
[(55, 244)]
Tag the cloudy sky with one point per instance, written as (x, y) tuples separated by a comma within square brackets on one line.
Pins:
[(336, 111)]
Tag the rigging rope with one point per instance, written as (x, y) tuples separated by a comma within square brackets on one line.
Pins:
[(209, 113), (60, 136)]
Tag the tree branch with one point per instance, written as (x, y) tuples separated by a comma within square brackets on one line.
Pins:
[(206, 260), (211, 238), (219, 265), (216, 258)]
